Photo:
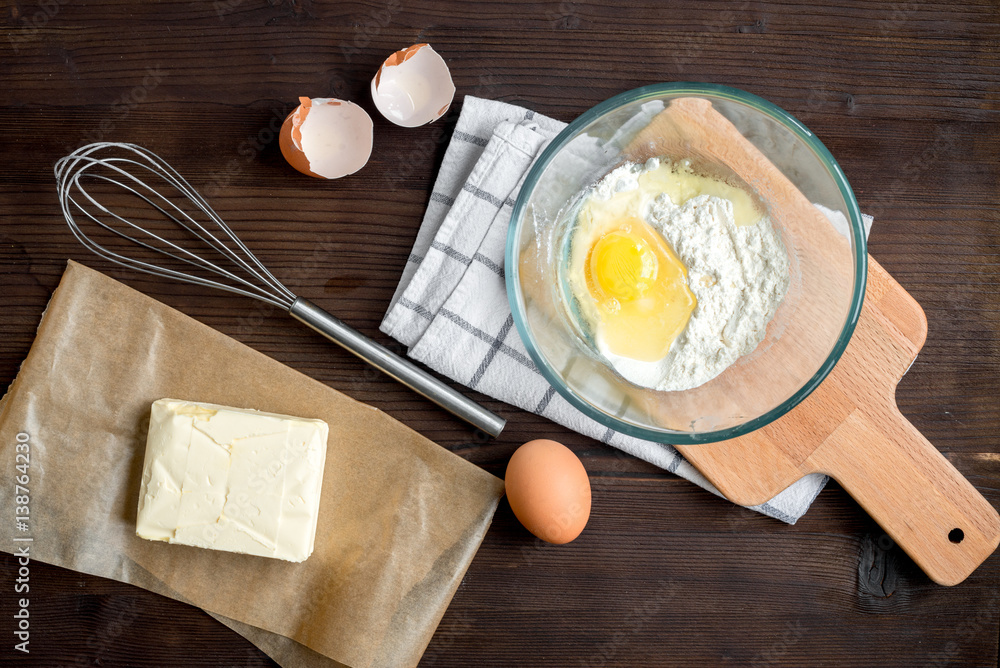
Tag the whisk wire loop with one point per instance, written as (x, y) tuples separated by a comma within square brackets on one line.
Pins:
[(184, 255), (251, 277)]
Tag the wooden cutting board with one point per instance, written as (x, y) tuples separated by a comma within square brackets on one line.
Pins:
[(851, 429)]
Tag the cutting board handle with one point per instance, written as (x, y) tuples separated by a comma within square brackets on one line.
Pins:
[(912, 491)]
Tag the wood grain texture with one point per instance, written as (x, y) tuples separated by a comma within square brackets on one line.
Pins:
[(904, 94), (850, 427)]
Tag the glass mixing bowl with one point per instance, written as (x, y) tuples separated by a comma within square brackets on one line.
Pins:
[(746, 141)]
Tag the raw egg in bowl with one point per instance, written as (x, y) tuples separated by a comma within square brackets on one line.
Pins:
[(685, 263)]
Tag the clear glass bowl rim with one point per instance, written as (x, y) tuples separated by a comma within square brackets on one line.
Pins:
[(710, 91)]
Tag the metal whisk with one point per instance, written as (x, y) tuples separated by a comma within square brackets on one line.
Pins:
[(142, 176)]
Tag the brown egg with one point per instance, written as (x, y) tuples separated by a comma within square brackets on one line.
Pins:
[(548, 490)]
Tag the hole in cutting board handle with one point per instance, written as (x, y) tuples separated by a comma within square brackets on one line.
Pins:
[(956, 535)]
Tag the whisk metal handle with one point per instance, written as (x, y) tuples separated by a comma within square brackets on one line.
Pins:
[(402, 370)]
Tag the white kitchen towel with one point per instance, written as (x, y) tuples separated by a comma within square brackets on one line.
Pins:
[(451, 305)]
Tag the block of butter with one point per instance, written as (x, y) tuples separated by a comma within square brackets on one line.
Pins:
[(232, 479)]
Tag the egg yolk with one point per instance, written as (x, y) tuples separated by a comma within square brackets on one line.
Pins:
[(641, 291)]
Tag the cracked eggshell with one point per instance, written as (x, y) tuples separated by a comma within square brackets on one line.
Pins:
[(413, 86), (326, 138)]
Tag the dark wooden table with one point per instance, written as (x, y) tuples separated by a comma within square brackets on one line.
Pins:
[(907, 97)]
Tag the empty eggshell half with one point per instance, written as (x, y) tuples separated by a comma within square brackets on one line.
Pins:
[(326, 138), (413, 86)]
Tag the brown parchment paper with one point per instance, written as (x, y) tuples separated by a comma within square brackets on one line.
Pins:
[(400, 517), (284, 651)]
